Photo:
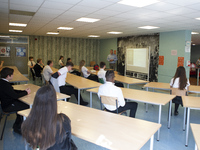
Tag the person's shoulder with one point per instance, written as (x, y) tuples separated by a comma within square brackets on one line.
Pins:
[(64, 118)]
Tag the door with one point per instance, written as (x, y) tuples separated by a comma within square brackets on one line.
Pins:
[(18, 56)]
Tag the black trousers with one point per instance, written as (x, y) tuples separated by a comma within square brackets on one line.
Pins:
[(69, 90), (119, 84), (93, 77), (33, 74), (132, 106), (17, 106), (177, 100)]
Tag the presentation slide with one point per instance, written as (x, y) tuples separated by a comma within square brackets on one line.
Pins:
[(137, 59)]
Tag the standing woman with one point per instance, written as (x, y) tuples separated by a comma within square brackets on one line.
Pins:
[(181, 82), (61, 63), (44, 128), (86, 73)]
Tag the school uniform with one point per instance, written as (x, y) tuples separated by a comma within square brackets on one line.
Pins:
[(9, 101), (67, 89), (32, 63), (89, 76), (109, 89), (60, 63), (47, 73), (38, 69)]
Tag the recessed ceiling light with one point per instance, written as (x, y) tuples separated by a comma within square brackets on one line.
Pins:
[(18, 24), (114, 32), (193, 44), (87, 19), (52, 33), (93, 36), (65, 28), (148, 27), (15, 30), (195, 32), (4, 36), (138, 3), (197, 18)]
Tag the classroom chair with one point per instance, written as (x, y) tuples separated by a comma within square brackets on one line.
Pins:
[(6, 114), (92, 63), (101, 80), (110, 101)]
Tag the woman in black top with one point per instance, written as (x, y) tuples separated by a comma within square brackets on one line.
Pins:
[(44, 128)]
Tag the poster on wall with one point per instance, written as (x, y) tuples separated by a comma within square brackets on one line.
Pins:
[(4, 51), (161, 60), (180, 61), (20, 51)]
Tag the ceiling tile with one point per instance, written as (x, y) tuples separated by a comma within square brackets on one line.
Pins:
[(56, 5), (23, 7), (27, 2)]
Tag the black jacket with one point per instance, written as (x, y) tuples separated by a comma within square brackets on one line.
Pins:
[(8, 95), (38, 69)]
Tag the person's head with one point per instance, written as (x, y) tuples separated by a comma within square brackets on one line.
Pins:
[(31, 58), (69, 65), (110, 76), (111, 51), (181, 74), (61, 57), (7, 73), (81, 64), (102, 65), (50, 63), (69, 60), (39, 129), (39, 60), (115, 52)]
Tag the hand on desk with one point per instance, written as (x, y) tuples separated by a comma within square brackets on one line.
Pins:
[(28, 90)]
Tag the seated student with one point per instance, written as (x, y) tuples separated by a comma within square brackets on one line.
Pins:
[(181, 82), (47, 72), (60, 63), (68, 89), (86, 73), (31, 64), (9, 97), (38, 67), (109, 89), (44, 128), (1, 64), (73, 71)]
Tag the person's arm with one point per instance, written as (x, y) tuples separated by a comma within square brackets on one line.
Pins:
[(121, 101), (115, 58), (108, 58), (29, 64)]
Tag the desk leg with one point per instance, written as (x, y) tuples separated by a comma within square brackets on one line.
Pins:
[(188, 126), (184, 117), (91, 99), (198, 77), (170, 110), (146, 103), (151, 142), (128, 86), (195, 147), (159, 120), (79, 93), (65, 99)]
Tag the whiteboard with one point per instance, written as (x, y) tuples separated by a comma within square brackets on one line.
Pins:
[(137, 59)]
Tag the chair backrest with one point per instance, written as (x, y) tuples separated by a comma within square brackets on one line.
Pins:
[(101, 80), (54, 82), (92, 63), (178, 92), (109, 101)]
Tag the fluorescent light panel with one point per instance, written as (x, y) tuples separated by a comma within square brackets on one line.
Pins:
[(65, 28), (93, 36), (148, 27), (138, 3), (114, 32), (195, 33), (193, 44), (91, 20), (4, 36), (197, 18), (53, 33), (18, 24), (15, 30)]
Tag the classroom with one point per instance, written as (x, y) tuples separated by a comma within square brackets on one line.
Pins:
[(99, 74)]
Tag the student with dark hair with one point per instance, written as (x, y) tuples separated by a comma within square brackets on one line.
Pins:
[(73, 71), (47, 72), (68, 89), (61, 63), (38, 67), (69, 60), (31, 65), (44, 128), (181, 82), (9, 97), (109, 89)]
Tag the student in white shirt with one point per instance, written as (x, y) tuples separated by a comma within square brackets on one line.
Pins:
[(31, 64), (68, 89), (181, 82), (47, 72), (109, 89), (86, 73), (61, 63), (102, 72), (73, 71)]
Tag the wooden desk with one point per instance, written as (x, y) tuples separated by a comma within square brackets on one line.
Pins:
[(189, 102), (196, 133), (145, 97), (106, 129), (28, 99), (18, 77)]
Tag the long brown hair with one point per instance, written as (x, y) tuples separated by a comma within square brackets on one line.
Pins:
[(82, 63), (39, 128), (180, 73)]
